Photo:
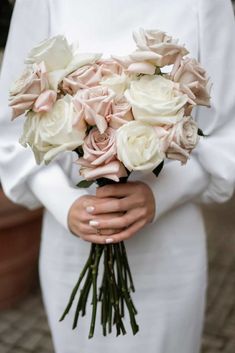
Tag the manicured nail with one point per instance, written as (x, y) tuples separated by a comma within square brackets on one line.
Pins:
[(93, 223), (108, 240), (90, 209)]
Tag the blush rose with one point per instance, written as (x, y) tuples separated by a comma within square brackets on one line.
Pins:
[(99, 159), (193, 81), (31, 91), (182, 139)]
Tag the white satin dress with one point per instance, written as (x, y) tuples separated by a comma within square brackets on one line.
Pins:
[(168, 257)]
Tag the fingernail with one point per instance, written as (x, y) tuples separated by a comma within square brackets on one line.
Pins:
[(90, 209), (93, 223), (108, 240)]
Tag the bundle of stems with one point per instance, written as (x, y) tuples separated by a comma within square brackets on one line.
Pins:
[(114, 292)]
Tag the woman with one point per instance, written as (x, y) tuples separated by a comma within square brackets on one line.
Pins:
[(161, 217)]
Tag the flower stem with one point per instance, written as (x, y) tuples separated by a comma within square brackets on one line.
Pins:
[(127, 266), (75, 289), (95, 265), (125, 292)]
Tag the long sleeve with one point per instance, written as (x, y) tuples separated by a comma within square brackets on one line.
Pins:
[(23, 181), (210, 173), (216, 153)]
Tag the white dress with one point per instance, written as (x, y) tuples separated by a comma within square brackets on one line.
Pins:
[(168, 258)]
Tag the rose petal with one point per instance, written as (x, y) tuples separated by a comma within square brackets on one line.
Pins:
[(112, 168), (142, 68), (45, 101)]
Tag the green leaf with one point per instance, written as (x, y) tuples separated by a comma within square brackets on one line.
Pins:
[(158, 169), (158, 71), (85, 183), (200, 132), (79, 151)]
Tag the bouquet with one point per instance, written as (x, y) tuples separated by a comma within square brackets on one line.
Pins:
[(119, 114)]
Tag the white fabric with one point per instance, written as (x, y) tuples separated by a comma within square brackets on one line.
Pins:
[(53, 181), (168, 258)]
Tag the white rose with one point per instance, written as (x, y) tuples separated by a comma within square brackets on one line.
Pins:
[(154, 100), (138, 146), (80, 60), (51, 133), (60, 58), (55, 52), (118, 83)]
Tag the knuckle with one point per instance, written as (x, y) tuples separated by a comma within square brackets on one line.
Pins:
[(126, 220), (118, 204), (83, 216), (140, 187), (108, 231), (141, 201), (144, 212), (109, 189)]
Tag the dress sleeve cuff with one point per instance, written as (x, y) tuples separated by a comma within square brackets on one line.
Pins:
[(52, 187), (176, 184)]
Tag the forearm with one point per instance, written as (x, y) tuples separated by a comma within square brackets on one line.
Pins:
[(52, 187), (176, 184)]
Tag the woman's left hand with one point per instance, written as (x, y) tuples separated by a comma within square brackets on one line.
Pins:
[(134, 200)]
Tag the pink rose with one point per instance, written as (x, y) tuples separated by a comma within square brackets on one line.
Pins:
[(193, 81), (133, 66), (110, 67), (154, 48), (182, 139), (93, 106), (157, 47), (45, 101), (90, 75), (84, 77), (99, 159), (26, 91), (163, 133), (121, 113)]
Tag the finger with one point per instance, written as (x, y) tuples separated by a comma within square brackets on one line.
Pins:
[(109, 231), (88, 201), (86, 229), (115, 190), (117, 205), (117, 222), (92, 238), (83, 216), (97, 239), (127, 233)]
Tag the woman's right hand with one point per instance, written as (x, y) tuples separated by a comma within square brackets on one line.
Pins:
[(80, 219)]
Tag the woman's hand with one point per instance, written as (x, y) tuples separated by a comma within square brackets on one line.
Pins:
[(134, 200), (81, 220)]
